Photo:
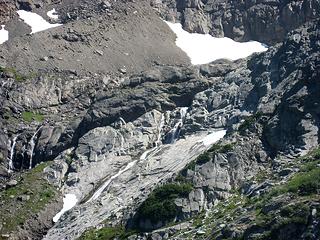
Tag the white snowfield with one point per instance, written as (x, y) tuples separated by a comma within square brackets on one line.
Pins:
[(35, 21), (53, 14), (203, 48), (4, 35), (213, 137), (69, 201)]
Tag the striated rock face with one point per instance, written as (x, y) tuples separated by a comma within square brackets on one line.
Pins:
[(107, 101), (126, 122), (232, 97), (264, 21)]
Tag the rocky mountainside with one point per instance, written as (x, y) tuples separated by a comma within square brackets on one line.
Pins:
[(264, 21), (108, 111), (130, 34)]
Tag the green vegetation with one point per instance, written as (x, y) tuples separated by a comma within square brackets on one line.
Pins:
[(304, 183), (203, 159), (283, 211), (307, 181), (16, 75), (27, 116), (198, 220), (160, 204), (302, 189), (30, 116), (294, 216), (206, 157), (218, 148), (222, 213), (16, 210), (106, 233), (249, 122)]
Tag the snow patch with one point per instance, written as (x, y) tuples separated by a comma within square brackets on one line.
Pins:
[(69, 201), (213, 138), (35, 21), (203, 48), (53, 14), (4, 35)]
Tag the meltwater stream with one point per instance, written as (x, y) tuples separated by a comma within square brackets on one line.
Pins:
[(70, 200), (175, 131), (32, 146)]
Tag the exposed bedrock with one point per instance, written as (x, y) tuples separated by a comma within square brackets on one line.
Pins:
[(115, 136), (264, 21)]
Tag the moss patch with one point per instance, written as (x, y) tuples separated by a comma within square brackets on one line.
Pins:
[(32, 116), (16, 75), (106, 233), (29, 197)]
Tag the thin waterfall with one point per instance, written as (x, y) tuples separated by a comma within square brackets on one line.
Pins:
[(10, 165), (162, 121), (32, 146), (175, 131), (158, 142)]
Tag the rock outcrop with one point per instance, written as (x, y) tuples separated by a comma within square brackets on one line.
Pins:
[(264, 21)]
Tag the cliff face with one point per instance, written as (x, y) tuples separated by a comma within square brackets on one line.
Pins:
[(264, 21), (143, 139)]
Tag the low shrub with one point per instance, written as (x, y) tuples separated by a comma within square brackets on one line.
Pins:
[(106, 233), (305, 183), (248, 122), (160, 204)]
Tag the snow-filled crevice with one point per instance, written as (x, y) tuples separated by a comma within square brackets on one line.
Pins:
[(69, 201)]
